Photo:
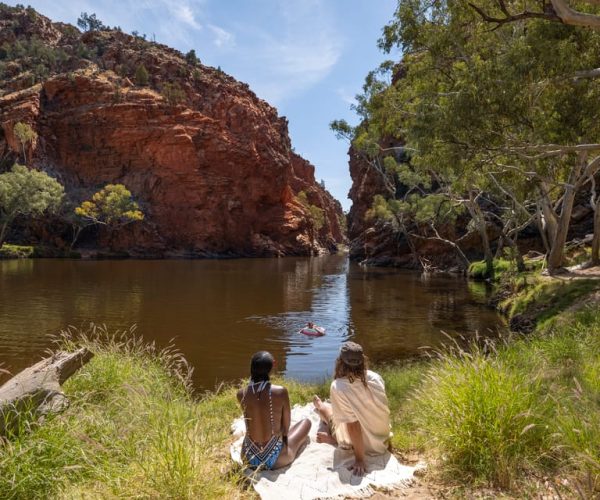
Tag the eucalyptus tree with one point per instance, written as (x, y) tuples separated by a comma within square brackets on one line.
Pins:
[(26, 192), (491, 111)]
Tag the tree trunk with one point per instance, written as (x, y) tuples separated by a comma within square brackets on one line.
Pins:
[(3, 230), (549, 221), (518, 256), (557, 250), (479, 220), (76, 232), (411, 245), (539, 220), (36, 390), (595, 260)]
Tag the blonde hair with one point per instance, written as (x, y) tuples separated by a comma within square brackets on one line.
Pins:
[(352, 373)]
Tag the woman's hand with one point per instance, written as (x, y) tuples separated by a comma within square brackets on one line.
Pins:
[(358, 468)]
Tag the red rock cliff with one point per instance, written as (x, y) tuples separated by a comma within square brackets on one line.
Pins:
[(210, 163)]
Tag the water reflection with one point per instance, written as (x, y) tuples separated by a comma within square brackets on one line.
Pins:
[(220, 312)]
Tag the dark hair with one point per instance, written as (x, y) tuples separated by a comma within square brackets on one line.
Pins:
[(260, 366), (351, 372)]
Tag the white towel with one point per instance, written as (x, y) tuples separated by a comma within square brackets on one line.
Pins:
[(321, 471)]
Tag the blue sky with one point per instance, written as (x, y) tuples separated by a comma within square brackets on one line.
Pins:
[(306, 57)]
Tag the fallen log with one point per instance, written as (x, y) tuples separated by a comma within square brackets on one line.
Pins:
[(36, 391)]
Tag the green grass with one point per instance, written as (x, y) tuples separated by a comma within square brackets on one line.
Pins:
[(8, 251), (478, 269), (133, 430), (544, 298)]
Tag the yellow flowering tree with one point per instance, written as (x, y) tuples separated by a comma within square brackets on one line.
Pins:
[(112, 206)]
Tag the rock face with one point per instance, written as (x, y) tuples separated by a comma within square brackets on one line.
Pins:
[(210, 163)]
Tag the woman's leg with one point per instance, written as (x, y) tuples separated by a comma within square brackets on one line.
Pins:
[(296, 438), (326, 414), (324, 409)]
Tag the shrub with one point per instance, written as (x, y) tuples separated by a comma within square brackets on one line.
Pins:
[(483, 417), (191, 58), (173, 93), (141, 76)]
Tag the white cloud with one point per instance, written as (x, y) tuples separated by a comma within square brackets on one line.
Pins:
[(223, 38), (185, 14), (346, 96), (300, 56)]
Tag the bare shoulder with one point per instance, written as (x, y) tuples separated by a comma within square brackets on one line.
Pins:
[(279, 391)]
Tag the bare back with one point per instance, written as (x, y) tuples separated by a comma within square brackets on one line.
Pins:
[(257, 412)]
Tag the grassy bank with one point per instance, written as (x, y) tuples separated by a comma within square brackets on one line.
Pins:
[(503, 415), (8, 251)]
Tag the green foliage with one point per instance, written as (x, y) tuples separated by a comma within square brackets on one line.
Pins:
[(112, 206), (26, 192), (478, 269), (132, 429), (546, 298), (35, 56), (25, 135), (141, 76), (89, 22), (15, 251), (191, 58), (173, 93), (470, 104), (316, 215), (483, 416)]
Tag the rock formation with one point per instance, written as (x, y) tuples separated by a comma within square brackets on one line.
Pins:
[(209, 162)]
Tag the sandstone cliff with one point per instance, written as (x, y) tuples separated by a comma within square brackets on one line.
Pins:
[(209, 162)]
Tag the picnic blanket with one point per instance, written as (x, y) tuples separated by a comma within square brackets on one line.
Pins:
[(321, 470)]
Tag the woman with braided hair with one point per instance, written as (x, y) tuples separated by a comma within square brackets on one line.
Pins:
[(270, 442)]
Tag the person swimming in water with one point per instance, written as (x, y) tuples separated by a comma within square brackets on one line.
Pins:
[(270, 442)]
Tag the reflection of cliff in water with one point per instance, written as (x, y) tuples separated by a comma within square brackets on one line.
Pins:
[(218, 313), (397, 313)]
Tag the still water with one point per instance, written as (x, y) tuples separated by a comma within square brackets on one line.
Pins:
[(220, 312)]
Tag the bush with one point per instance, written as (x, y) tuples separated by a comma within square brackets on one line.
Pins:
[(191, 58), (484, 418), (141, 76), (173, 93), (15, 251), (478, 269)]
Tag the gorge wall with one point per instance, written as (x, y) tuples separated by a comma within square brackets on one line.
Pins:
[(210, 163)]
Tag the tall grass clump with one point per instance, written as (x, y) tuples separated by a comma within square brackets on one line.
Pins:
[(133, 430), (483, 419)]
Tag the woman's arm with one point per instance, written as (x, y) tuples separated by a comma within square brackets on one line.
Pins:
[(286, 415), (355, 433)]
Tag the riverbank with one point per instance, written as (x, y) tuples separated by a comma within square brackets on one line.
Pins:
[(521, 416)]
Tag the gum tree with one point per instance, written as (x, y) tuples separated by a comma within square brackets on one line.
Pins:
[(25, 135), (26, 192), (490, 112), (113, 206)]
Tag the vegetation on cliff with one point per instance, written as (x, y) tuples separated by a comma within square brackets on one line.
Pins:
[(495, 127)]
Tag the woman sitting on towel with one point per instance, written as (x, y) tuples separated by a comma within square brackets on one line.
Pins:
[(269, 443)]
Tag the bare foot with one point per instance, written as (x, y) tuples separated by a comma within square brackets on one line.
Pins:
[(325, 437), (317, 402)]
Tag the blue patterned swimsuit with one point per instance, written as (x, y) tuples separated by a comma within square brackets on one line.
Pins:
[(264, 456)]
